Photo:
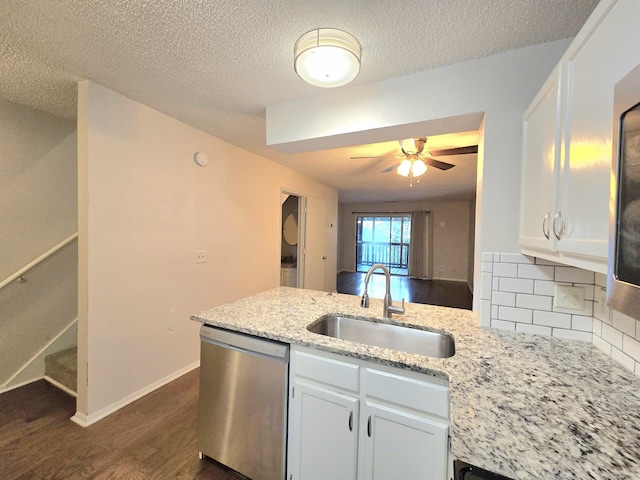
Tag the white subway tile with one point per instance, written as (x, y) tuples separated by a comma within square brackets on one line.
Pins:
[(631, 347), (534, 329), (552, 319), (502, 325), (503, 298), (521, 315), (624, 323), (494, 311), (505, 270), (487, 267), (625, 360), (637, 329), (574, 275), (515, 258), (612, 336), (487, 256), (543, 261), (495, 283), (535, 302), (597, 327), (582, 323), (544, 287), (601, 279), (517, 285), (601, 344), (485, 286), (535, 272), (485, 313), (572, 335)]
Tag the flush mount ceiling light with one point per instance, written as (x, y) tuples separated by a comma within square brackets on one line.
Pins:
[(327, 57)]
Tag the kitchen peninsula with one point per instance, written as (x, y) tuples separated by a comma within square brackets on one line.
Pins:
[(525, 406)]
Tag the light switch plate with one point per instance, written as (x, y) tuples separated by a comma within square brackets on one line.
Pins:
[(569, 297), (201, 256)]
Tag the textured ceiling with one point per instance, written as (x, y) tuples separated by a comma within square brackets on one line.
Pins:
[(217, 65)]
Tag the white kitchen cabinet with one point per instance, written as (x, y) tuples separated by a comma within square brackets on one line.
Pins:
[(400, 444), (324, 434), (354, 420), (541, 166), (576, 160)]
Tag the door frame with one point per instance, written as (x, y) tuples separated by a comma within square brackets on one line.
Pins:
[(302, 228)]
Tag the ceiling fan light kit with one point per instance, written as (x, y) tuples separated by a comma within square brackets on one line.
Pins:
[(327, 57)]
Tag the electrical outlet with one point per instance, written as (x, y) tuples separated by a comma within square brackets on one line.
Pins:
[(201, 256), (569, 297), (601, 301)]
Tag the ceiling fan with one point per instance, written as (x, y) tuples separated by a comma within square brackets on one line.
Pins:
[(414, 162)]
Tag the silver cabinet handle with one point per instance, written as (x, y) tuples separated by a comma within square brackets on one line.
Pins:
[(369, 426), (351, 421), (558, 216), (545, 221)]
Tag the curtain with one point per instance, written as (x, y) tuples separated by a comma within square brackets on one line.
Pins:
[(419, 246)]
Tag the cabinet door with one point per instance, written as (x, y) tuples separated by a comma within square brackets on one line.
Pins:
[(540, 166), (324, 434), (401, 445), (600, 56)]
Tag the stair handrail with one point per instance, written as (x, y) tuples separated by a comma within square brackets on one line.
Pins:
[(35, 262)]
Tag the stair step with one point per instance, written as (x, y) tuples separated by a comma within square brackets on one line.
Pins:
[(61, 369)]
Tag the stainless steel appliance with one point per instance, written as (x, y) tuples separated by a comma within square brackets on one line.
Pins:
[(623, 283), (242, 420), (465, 471)]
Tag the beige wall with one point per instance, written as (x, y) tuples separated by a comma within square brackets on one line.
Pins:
[(145, 209), (450, 234)]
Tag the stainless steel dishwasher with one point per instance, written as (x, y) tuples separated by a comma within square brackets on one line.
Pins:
[(242, 421)]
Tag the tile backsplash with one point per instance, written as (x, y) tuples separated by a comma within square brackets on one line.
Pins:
[(520, 293)]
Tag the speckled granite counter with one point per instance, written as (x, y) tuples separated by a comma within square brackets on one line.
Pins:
[(526, 406)]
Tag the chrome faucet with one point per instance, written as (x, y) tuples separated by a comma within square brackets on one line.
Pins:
[(389, 308)]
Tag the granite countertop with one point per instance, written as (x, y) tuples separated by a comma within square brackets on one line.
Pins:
[(525, 406)]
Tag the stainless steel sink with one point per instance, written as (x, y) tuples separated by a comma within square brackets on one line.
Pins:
[(370, 332)]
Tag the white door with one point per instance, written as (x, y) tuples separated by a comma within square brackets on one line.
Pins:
[(401, 445), (324, 435), (315, 244)]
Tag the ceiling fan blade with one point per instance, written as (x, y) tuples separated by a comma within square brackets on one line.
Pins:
[(365, 157), (454, 151), (391, 168), (437, 163)]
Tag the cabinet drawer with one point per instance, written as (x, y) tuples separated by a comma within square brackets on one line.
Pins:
[(408, 392), (327, 370)]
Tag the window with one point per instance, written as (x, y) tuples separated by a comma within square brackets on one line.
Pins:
[(385, 240)]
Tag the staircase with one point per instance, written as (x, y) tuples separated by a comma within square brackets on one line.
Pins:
[(61, 370)]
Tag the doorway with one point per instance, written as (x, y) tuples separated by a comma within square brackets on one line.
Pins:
[(290, 245)]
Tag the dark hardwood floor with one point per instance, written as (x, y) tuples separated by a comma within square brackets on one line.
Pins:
[(431, 292), (152, 438)]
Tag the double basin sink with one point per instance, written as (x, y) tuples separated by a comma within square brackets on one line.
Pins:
[(373, 332)]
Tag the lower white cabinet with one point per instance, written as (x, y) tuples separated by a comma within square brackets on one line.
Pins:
[(354, 420), (400, 444), (325, 434)]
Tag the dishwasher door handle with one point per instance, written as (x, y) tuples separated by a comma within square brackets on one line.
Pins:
[(244, 343)]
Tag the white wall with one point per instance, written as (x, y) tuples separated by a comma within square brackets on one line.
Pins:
[(37, 184), (145, 209), (38, 209), (450, 242), (500, 86)]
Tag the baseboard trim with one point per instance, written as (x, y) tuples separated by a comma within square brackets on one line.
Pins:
[(85, 420)]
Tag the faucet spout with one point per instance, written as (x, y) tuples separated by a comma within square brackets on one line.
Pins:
[(389, 308)]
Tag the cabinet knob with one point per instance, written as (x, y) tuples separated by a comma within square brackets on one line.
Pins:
[(558, 232), (545, 221)]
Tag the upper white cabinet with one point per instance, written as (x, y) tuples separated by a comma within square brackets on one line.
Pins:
[(541, 167), (569, 160)]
